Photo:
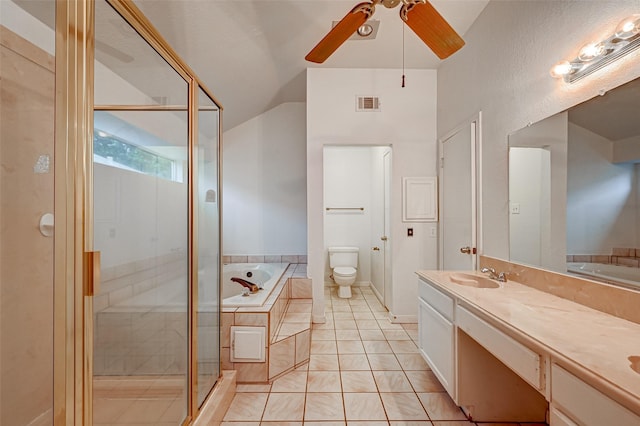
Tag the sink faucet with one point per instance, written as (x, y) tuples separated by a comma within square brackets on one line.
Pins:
[(502, 277)]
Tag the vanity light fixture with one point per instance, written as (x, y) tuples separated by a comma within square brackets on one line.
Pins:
[(596, 55)]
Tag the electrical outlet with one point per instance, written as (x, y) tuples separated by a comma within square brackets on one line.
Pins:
[(515, 208)]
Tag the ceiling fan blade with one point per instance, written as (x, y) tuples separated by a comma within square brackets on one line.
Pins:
[(431, 27), (340, 33)]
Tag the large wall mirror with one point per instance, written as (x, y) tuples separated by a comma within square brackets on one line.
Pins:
[(574, 189)]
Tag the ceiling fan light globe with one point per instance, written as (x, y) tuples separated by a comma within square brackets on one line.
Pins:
[(365, 30)]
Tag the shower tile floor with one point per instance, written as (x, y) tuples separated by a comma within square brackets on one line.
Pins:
[(363, 370), (138, 400)]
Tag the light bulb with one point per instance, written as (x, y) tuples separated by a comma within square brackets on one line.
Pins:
[(629, 27), (561, 69), (365, 30), (591, 51)]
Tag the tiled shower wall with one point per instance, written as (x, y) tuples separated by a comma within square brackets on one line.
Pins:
[(619, 256), (285, 258)]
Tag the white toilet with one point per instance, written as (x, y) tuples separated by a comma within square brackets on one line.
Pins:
[(344, 263)]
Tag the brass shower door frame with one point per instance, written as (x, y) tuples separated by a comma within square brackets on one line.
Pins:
[(73, 278)]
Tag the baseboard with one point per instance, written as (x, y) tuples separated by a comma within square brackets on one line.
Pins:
[(403, 319), (356, 284), (377, 293)]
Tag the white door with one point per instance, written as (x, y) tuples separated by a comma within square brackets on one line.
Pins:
[(386, 246), (458, 198), (380, 254)]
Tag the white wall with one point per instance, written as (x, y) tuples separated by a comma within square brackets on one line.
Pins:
[(264, 184), (529, 193), (552, 135), (348, 175), (627, 150), (602, 203), (137, 216), (503, 71), (406, 122)]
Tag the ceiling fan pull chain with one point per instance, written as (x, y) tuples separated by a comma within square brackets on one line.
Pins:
[(402, 55)]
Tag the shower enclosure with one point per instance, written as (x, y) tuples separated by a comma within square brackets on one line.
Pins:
[(115, 310)]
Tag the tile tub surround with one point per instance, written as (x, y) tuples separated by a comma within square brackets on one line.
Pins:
[(357, 376), (268, 258), (287, 316), (593, 345), (617, 301), (619, 256)]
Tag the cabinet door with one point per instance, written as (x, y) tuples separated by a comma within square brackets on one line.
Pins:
[(585, 404), (436, 344)]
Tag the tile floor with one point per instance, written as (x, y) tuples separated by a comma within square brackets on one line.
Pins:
[(363, 370)]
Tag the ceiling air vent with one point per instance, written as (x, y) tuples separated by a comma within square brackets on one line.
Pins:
[(367, 103)]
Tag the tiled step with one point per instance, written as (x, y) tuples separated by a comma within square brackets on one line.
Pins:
[(290, 347)]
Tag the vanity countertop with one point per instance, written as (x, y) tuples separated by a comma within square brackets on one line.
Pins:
[(594, 342)]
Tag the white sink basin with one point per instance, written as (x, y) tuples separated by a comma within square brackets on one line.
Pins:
[(471, 280)]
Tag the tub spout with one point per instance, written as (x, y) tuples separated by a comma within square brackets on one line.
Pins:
[(251, 286)]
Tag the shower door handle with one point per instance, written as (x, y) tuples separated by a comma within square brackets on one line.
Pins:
[(91, 272)]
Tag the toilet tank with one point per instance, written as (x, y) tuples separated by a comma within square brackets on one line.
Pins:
[(343, 256)]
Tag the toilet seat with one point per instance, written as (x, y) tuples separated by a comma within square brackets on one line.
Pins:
[(344, 271)]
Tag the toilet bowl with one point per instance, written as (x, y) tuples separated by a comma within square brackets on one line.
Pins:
[(343, 262)]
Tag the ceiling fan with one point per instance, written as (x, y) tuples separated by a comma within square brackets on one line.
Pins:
[(419, 15)]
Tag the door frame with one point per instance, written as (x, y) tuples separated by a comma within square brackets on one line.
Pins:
[(74, 277), (476, 186)]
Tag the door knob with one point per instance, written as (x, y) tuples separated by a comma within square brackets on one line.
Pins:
[(376, 249), (468, 250)]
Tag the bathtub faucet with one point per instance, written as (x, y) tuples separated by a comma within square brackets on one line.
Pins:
[(251, 286)]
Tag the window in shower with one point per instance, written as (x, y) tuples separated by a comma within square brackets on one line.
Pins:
[(113, 151)]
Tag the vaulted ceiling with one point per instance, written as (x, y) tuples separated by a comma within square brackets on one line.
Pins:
[(250, 53)]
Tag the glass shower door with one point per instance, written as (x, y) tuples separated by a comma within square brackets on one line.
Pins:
[(208, 228), (140, 227)]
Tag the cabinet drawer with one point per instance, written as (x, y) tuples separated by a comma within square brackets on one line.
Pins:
[(437, 299), (522, 360), (586, 405)]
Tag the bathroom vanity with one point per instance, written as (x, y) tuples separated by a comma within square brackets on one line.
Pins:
[(508, 352)]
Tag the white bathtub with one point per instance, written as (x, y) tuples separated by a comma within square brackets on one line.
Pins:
[(625, 275), (264, 275)]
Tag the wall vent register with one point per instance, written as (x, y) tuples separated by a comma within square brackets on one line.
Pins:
[(367, 103)]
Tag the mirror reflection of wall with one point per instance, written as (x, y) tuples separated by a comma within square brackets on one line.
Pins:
[(594, 151), (537, 194)]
